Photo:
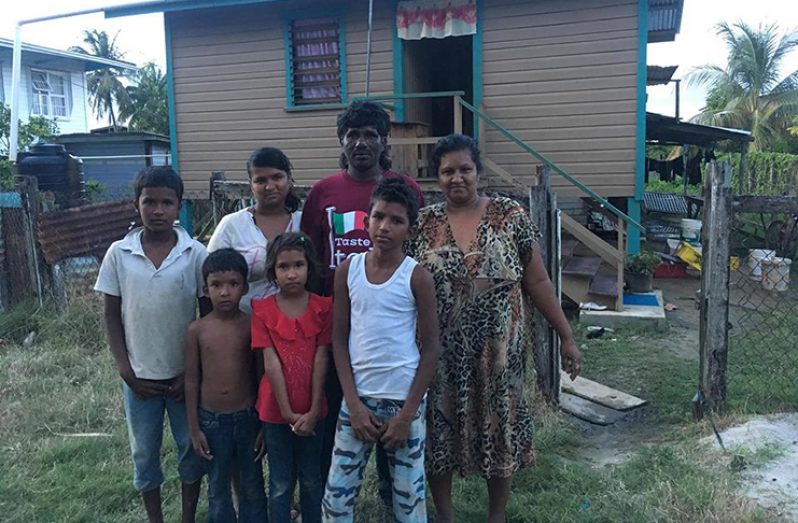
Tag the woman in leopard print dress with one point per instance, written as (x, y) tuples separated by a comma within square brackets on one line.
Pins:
[(484, 257)]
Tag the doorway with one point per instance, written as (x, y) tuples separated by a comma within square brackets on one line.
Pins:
[(435, 65)]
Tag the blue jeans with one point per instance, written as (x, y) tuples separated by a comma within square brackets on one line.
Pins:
[(292, 457), (145, 432), (231, 438)]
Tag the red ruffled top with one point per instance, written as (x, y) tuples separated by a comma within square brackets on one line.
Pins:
[(295, 340)]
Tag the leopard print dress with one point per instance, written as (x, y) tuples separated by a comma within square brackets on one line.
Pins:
[(478, 417)]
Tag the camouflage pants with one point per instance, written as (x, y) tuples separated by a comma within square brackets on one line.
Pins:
[(351, 455)]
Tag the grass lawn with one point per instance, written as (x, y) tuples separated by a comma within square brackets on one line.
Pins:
[(64, 453)]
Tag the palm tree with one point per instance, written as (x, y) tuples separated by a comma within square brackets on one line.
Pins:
[(747, 93), (147, 106), (104, 85)]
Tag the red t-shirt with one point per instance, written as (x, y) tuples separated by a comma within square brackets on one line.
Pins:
[(295, 340), (333, 217)]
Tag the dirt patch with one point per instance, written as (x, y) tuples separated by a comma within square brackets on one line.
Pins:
[(682, 339), (774, 484), (614, 444)]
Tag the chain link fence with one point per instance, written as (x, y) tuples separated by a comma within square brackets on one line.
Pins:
[(749, 322), (762, 371)]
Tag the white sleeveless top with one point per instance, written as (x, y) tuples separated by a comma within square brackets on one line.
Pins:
[(382, 331)]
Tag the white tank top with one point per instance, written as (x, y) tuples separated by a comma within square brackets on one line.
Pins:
[(382, 331)]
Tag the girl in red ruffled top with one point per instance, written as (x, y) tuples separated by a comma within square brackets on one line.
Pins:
[(292, 329)]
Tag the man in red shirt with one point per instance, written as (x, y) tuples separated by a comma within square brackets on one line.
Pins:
[(333, 217)]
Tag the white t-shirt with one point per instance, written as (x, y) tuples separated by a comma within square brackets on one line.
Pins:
[(157, 304), (382, 331), (238, 231)]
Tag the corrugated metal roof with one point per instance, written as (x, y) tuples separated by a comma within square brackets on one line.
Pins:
[(664, 19), (84, 231), (665, 203), (657, 75)]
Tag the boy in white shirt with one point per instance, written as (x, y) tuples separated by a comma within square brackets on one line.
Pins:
[(151, 280), (380, 298)]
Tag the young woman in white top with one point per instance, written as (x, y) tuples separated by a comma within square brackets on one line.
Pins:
[(250, 230)]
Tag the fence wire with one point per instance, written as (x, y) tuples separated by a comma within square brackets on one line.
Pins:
[(762, 371)]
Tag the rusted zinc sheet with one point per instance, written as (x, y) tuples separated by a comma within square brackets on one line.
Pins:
[(84, 231)]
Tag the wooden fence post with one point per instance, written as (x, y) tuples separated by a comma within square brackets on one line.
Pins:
[(714, 332), (543, 210), (28, 189)]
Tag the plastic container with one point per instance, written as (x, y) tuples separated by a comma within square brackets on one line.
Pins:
[(776, 274), (671, 270), (56, 171), (756, 257), (691, 230)]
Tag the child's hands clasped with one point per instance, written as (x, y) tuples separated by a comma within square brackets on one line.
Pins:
[(365, 424), (396, 433), (200, 443), (305, 424)]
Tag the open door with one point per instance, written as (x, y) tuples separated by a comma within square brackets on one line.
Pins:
[(436, 65)]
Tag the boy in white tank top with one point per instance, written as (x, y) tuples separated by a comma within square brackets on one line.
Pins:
[(380, 298)]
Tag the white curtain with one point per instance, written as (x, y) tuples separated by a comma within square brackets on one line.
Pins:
[(417, 19)]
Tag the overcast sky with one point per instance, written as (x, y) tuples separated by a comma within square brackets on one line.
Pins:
[(141, 37)]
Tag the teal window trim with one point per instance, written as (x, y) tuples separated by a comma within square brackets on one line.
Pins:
[(306, 14)]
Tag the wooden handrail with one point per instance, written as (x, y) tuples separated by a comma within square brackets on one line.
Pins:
[(604, 250)]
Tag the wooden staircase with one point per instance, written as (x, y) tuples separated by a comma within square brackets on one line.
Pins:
[(592, 269)]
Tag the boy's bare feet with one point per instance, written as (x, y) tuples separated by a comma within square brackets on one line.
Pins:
[(152, 504), (189, 497)]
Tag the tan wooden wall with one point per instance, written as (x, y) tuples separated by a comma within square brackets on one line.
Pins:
[(229, 73), (561, 75)]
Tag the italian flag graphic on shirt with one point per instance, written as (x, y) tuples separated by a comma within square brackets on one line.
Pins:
[(347, 222)]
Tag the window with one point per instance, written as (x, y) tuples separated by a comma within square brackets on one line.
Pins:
[(49, 94), (315, 62)]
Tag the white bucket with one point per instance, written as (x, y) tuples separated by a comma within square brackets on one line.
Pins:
[(691, 230), (755, 259), (776, 274)]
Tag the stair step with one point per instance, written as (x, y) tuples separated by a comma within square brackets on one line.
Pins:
[(586, 266), (604, 285), (567, 248)]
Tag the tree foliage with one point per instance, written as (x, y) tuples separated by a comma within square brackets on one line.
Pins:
[(105, 86), (147, 108), (36, 128), (749, 92)]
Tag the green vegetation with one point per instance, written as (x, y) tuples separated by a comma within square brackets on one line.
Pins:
[(65, 453), (147, 108), (749, 92), (106, 90)]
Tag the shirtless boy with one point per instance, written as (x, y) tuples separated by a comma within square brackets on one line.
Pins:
[(220, 392)]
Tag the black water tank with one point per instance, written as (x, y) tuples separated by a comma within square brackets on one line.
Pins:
[(57, 171)]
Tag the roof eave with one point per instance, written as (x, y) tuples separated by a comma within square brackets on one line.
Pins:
[(91, 63), (167, 6)]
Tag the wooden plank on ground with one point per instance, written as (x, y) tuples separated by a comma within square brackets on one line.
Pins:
[(588, 410), (601, 394)]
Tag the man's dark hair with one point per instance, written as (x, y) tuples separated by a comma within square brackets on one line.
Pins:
[(365, 114), (396, 190), (276, 159), (224, 260), (452, 144), (292, 241), (158, 176)]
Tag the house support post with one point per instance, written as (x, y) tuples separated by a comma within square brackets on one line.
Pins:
[(714, 332)]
